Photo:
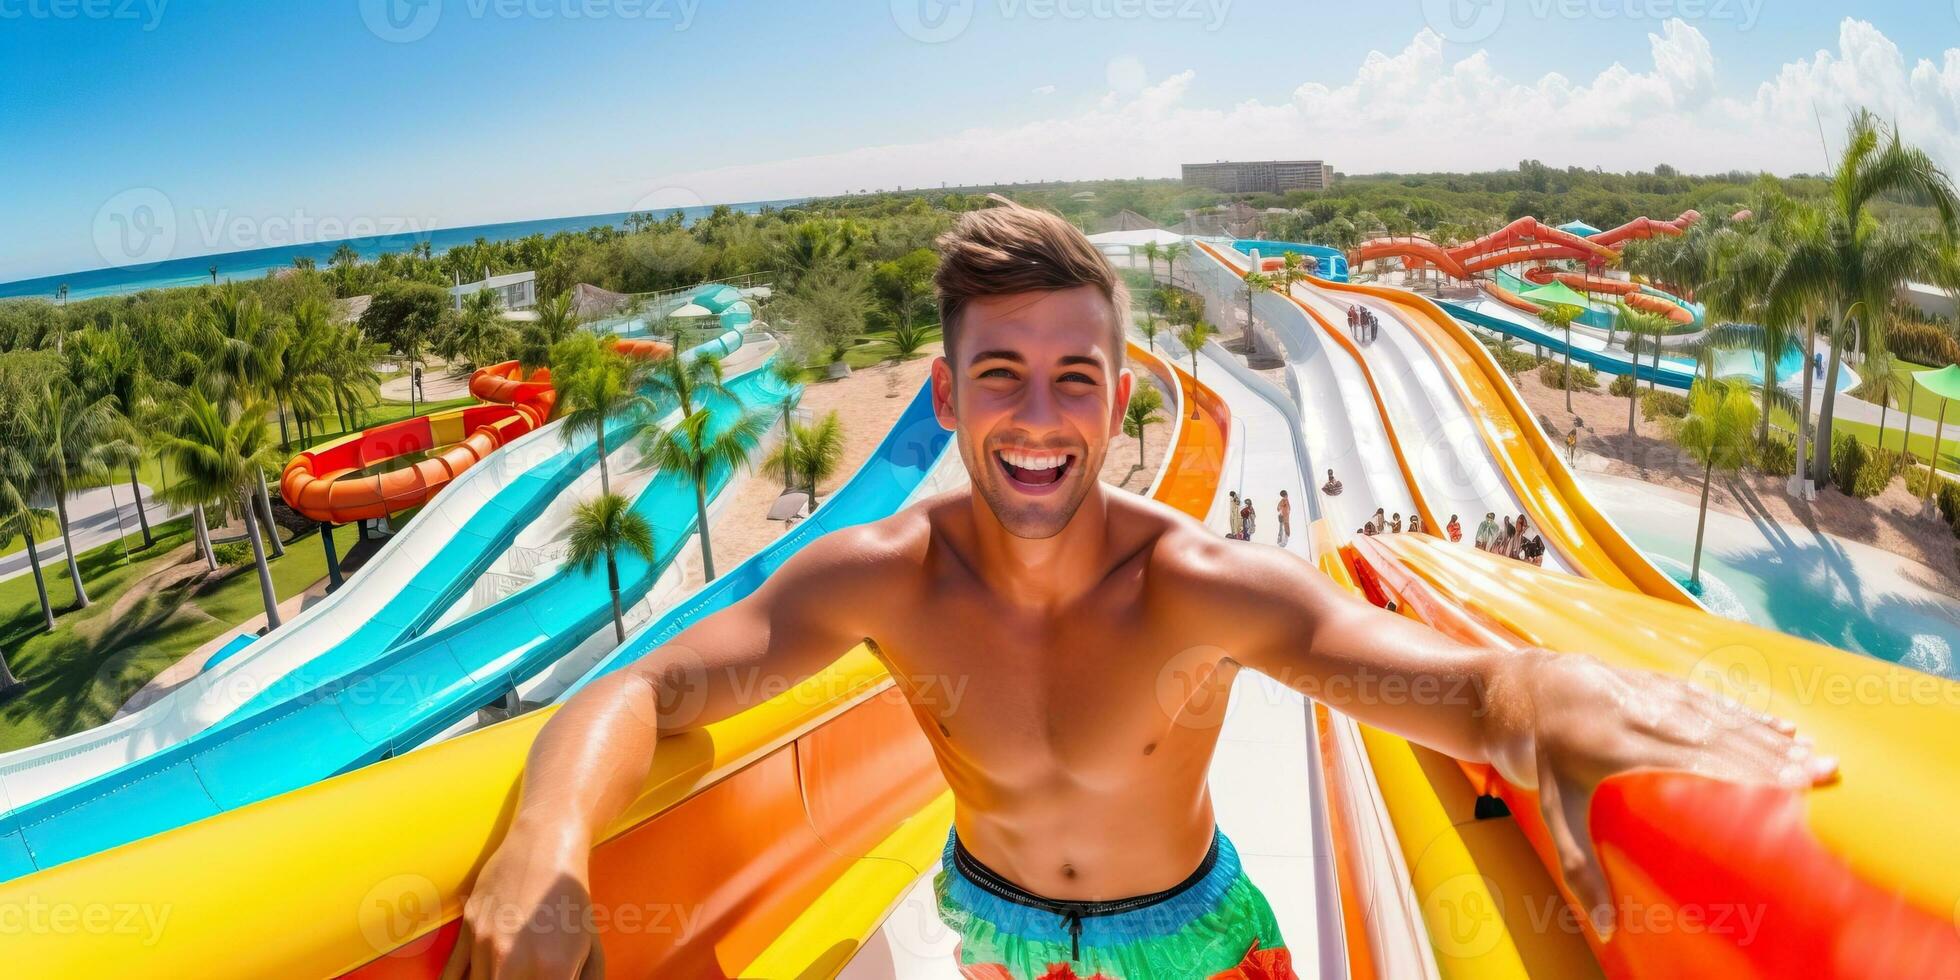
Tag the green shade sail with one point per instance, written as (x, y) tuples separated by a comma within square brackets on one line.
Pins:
[(1944, 382), (1555, 292)]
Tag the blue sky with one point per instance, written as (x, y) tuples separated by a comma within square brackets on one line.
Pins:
[(263, 120)]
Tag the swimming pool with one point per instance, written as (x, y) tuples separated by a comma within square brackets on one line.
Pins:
[(1841, 593)]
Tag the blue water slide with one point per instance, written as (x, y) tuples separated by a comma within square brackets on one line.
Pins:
[(1608, 363), (879, 488), (376, 708)]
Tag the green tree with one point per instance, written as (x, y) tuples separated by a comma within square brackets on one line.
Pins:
[(1717, 432), (219, 450), (596, 386), (1639, 325), (601, 528), (827, 309), (1145, 400), (406, 316), (17, 512), (1151, 250), (1193, 336), (1851, 262), (809, 454), (696, 450), (247, 360), (1171, 253), (1255, 282), (1881, 382), (477, 334), (110, 365), (71, 439), (557, 318), (1559, 316)]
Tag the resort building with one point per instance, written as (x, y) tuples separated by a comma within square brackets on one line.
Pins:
[(515, 290), (1260, 176)]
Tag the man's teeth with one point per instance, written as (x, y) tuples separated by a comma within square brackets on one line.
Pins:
[(1028, 461)]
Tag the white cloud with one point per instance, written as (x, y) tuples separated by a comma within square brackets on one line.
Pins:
[(1416, 109), (1044, 90)]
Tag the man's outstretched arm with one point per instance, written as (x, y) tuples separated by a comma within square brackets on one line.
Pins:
[(525, 912), (1555, 724)]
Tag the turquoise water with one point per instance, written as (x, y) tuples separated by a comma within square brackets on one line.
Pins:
[(1809, 590), (196, 269)]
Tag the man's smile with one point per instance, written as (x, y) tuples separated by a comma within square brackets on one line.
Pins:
[(1034, 471)]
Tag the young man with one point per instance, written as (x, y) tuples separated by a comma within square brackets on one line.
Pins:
[(1083, 830), (1332, 487), (1487, 532), (1237, 521)]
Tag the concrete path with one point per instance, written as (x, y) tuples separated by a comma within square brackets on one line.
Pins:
[(93, 516)]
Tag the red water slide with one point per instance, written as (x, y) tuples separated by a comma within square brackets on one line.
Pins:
[(330, 482), (1627, 292), (1525, 240)]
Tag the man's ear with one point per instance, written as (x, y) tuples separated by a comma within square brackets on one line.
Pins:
[(942, 394), (1125, 384)]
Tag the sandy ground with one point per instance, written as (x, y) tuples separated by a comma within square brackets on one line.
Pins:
[(868, 403), (1892, 521)]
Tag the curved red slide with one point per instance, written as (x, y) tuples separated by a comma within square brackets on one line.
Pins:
[(328, 483), (1525, 240), (1627, 292)]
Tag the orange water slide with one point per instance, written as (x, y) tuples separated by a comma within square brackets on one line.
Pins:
[(329, 482), (1525, 240), (1627, 292)]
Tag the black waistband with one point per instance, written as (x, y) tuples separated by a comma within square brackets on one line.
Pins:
[(992, 881)]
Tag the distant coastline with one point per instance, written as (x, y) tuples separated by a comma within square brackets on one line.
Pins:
[(254, 263)]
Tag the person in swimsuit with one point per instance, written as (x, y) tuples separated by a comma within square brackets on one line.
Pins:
[(1332, 487), (1454, 529), (1395, 523), (1517, 539), (1237, 522), (1487, 532), (1084, 840), (1415, 523), (1248, 517), (1285, 519)]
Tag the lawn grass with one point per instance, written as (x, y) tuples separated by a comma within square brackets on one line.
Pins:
[(78, 675)]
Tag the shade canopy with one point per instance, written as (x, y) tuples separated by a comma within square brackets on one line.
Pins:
[(1555, 292), (1579, 228), (1944, 382)]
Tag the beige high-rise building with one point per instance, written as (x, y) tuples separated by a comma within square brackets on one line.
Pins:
[(1259, 176)]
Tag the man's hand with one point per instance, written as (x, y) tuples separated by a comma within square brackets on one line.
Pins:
[(1561, 724), (529, 914)]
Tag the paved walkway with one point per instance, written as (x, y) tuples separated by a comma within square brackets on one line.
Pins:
[(93, 516), (438, 385)]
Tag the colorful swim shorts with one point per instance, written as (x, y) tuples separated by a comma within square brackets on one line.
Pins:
[(1213, 924)]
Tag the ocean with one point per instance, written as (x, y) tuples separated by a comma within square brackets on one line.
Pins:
[(254, 263)]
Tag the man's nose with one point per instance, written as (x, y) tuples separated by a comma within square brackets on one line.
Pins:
[(1039, 409)]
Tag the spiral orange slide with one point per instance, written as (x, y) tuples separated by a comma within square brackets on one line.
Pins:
[(331, 482), (1525, 240)]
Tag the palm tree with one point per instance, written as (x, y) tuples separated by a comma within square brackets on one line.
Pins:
[(695, 450), (1745, 269), (1559, 316), (248, 355), (1171, 253), (557, 318), (71, 438), (600, 529), (1255, 282), (300, 382), (809, 454), (1145, 400), (596, 385), (1881, 382), (109, 364), (1850, 263), (1193, 336), (477, 334), (1291, 270), (1149, 329), (17, 512), (1717, 434), (1151, 250), (1639, 324), (220, 450)]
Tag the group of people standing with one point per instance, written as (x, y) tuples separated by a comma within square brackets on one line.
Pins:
[(1244, 517), (1362, 325), (1512, 540)]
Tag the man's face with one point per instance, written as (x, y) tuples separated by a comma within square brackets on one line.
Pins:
[(1033, 395)]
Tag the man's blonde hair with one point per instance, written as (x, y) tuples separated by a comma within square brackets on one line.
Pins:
[(1015, 249)]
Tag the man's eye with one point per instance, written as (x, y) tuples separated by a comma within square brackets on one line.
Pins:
[(999, 372), (1076, 377)]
